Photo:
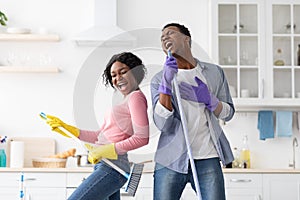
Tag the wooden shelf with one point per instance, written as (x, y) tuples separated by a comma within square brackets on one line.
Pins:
[(28, 69), (29, 37)]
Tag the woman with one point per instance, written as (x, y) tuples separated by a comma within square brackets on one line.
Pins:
[(125, 127)]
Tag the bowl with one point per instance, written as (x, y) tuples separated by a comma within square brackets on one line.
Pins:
[(16, 30), (43, 162)]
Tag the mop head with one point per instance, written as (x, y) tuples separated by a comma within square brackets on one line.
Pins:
[(134, 179)]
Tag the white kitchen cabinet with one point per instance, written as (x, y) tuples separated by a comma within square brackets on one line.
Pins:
[(281, 186), (37, 186), (284, 31), (74, 180), (145, 188), (237, 43), (48, 193), (245, 38), (243, 186), (189, 193), (9, 193)]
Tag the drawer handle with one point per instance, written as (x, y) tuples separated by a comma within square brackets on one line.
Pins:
[(30, 179), (240, 180)]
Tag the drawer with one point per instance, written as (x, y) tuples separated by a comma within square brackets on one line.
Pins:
[(9, 179), (33, 179), (243, 180), (45, 179), (75, 179), (146, 180)]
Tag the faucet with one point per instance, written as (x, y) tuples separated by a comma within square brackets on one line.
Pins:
[(295, 144)]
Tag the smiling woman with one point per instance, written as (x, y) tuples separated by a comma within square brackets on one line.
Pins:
[(125, 128)]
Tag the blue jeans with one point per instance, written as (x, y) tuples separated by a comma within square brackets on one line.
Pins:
[(169, 184), (103, 184)]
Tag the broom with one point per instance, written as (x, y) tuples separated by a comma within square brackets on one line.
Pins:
[(133, 178), (185, 133)]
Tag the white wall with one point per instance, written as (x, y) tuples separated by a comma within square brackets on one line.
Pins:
[(24, 96)]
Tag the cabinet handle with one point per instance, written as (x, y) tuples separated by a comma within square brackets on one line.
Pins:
[(30, 179), (262, 88), (240, 180), (125, 195)]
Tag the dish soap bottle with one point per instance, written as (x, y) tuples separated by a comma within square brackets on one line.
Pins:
[(245, 153)]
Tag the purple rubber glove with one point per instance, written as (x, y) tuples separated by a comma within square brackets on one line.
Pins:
[(198, 94), (169, 71)]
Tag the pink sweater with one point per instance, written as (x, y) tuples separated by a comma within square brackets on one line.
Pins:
[(126, 125)]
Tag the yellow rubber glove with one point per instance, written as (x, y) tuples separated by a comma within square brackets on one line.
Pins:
[(56, 124), (96, 153)]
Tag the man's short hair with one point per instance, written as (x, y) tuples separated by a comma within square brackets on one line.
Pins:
[(181, 28)]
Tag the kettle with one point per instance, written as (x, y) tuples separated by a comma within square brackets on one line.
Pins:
[(82, 160)]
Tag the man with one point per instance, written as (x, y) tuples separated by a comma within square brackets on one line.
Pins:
[(205, 98)]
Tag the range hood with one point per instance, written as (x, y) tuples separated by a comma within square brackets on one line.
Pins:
[(105, 31)]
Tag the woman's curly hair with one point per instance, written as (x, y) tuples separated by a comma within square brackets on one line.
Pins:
[(129, 59)]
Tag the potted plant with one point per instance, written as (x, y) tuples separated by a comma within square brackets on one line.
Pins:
[(3, 19)]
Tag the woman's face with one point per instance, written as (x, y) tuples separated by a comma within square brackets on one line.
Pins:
[(122, 78)]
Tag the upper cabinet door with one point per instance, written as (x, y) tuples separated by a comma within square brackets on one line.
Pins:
[(285, 54), (257, 43), (237, 43)]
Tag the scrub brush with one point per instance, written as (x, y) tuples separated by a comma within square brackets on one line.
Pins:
[(133, 178)]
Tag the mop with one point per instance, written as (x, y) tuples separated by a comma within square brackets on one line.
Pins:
[(185, 131), (133, 178)]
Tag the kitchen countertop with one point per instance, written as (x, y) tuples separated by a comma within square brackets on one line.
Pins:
[(261, 171), (54, 170), (90, 169)]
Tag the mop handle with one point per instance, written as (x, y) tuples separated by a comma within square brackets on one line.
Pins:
[(187, 142)]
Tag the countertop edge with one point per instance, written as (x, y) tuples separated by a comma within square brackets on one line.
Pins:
[(90, 169)]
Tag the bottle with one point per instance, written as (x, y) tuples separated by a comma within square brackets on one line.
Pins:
[(298, 55), (279, 61), (2, 158), (245, 153), (236, 161)]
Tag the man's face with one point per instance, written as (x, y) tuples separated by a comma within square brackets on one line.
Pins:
[(172, 39)]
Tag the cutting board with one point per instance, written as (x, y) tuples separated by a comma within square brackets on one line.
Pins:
[(33, 147)]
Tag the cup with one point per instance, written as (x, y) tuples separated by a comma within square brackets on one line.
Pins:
[(286, 95), (232, 91), (245, 93)]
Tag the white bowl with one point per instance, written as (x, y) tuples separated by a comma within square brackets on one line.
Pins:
[(15, 30)]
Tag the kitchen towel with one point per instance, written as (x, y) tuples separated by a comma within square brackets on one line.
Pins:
[(284, 121), (17, 154), (265, 124)]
